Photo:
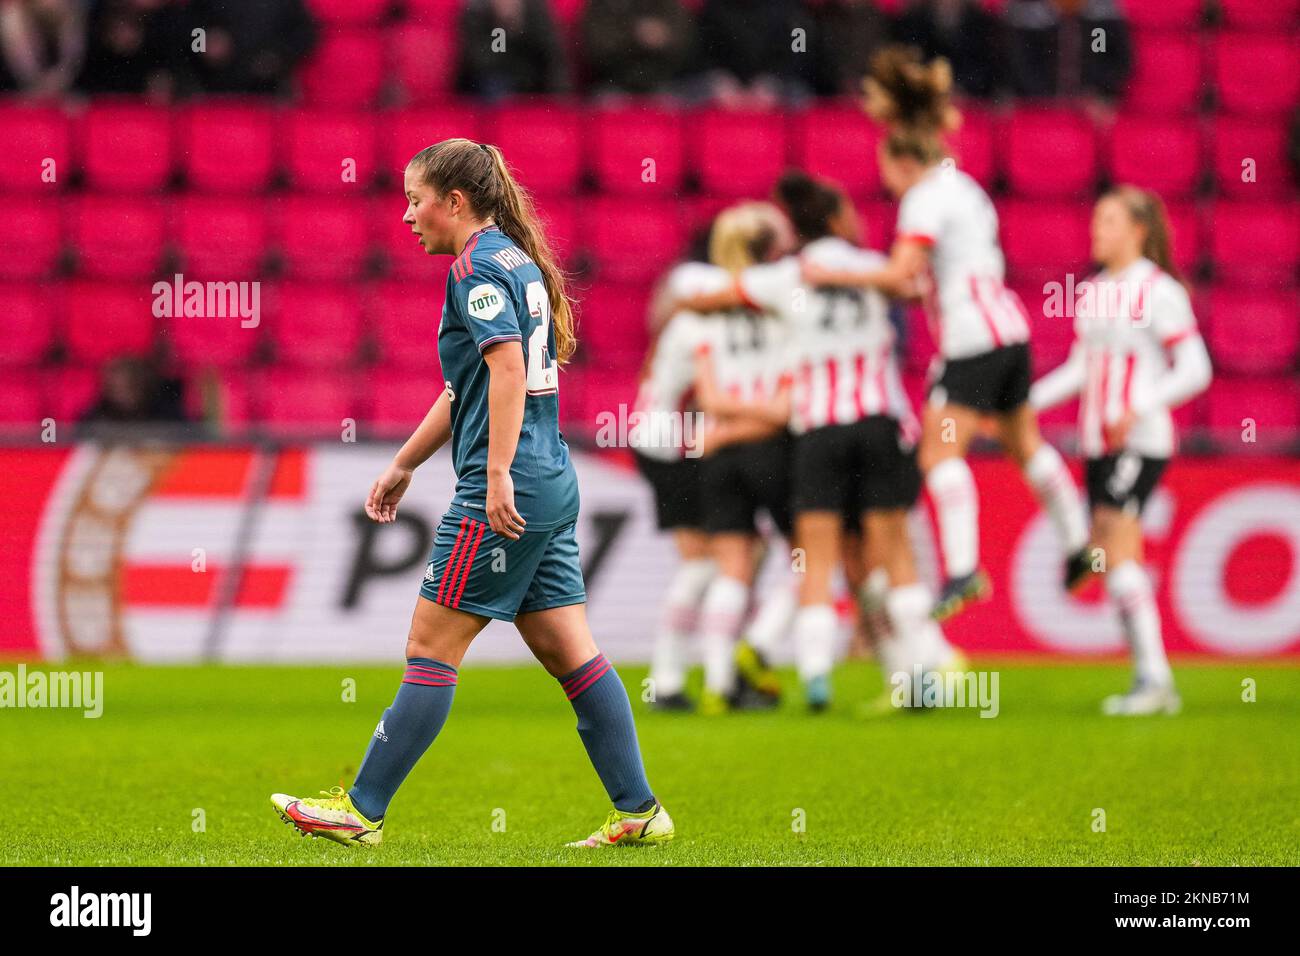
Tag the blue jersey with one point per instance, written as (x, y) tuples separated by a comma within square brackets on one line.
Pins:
[(495, 293)]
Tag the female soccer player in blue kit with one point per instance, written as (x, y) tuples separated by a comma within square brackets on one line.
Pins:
[(506, 327)]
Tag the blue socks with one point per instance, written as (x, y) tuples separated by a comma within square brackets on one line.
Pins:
[(404, 733), (608, 732)]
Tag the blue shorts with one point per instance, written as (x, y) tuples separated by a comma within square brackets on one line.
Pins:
[(474, 569)]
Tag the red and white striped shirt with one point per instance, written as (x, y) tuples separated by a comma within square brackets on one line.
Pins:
[(969, 309), (1127, 326), (840, 345)]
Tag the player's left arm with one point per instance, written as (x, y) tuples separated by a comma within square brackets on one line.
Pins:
[(507, 390), (898, 278)]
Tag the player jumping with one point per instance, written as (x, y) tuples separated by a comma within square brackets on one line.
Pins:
[(947, 248), (506, 327)]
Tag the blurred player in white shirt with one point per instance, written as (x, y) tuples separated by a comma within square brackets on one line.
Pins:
[(946, 252), (1137, 355)]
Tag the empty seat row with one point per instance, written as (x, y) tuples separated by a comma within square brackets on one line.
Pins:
[(235, 147), (620, 238), (336, 325)]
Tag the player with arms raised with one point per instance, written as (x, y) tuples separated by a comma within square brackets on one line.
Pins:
[(506, 327), (946, 249)]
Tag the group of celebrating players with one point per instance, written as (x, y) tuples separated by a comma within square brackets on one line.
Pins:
[(783, 343)]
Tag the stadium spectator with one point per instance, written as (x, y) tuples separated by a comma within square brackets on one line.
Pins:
[(42, 42), (845, 35), (748, 52), (133, 392), (1069, 48), (962, 32), (635, 46), (249, 46), (135, 46), (525, 57)]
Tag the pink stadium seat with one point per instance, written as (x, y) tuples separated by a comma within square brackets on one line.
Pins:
[(543, 143), (738, 153), (349, 12), (118, 237), (1164, 14), (561, 222), (228, 146), (612, 317), (1255, 73), (346, 70), (108, 319), (918, 344), (22, 401), (403, 133), (1254, 15), (1044, 241), (1255, 242), (213, 340), (1159, 154), (402, 253), (1237, 139), (423, 57), (1051, 335), (126, 146), (318, 143), (1168, 72), (33, 134), (1273, 404), (839, 142), (877, 220), (71, 390), (296, 400), (405, 316), (633, 240), (27, 323), (1185, 229), (1254, 332), (625, 137), (972, 145), (220, 237), (1050, 153), (30, 238), (324, 238), (433, 9), (400, 398), (313, 324)]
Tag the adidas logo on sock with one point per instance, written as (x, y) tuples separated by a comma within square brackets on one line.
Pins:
[(380, 733)]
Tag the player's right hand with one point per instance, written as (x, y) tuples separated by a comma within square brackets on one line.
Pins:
[(386, 492)]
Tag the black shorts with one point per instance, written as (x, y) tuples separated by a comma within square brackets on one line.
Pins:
[(677, 489), (850, 469), (996, 381), (1123, 481), (739, 481)]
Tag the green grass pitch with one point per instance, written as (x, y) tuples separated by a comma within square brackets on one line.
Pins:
[(509, 783)]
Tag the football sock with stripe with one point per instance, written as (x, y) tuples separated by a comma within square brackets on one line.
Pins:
[(1049, 476), (1129, 588), (608, 732), (677, 626), (720, 622), (404, 733), (956, 504)]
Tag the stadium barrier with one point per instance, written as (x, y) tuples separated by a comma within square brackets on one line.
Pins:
[(263, 554)]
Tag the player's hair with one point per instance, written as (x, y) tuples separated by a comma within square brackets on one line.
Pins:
[(1147, 210), (810, 204), (480, 172), (912, 99), (743, 235)]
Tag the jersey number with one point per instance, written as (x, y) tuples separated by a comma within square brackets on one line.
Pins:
[(543, 376)]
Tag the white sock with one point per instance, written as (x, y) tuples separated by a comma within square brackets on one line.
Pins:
[(1048, 475), (1130, 589), (774, 619), (814, 640), (720, 620), (952, 489), (677, 625), (918, 637)]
